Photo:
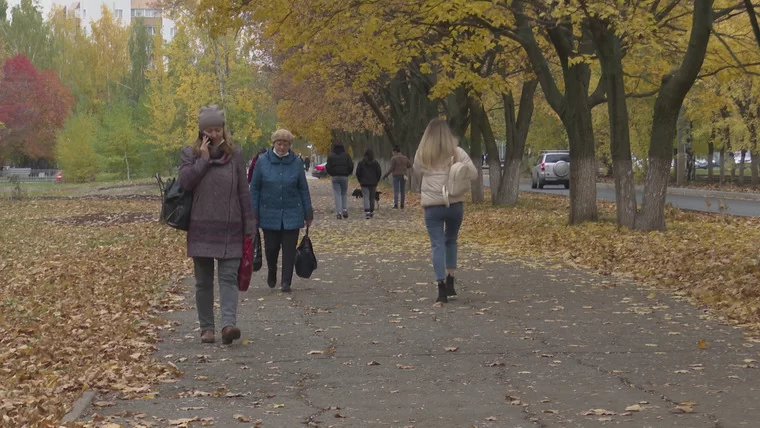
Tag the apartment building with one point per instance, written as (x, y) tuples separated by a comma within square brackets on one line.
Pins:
[(124, 11)]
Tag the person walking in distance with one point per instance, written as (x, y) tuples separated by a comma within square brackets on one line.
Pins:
[(281, 205), (340, 166), (437, 152), (253, 163), (368, 173), (214, 170), (400, 166)]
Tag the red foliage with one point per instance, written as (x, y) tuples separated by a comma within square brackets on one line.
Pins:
[(33, 107)]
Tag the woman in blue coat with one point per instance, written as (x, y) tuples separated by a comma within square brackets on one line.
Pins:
[(281, 205)]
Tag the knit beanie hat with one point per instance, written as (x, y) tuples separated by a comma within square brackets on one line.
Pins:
[(210, 116)]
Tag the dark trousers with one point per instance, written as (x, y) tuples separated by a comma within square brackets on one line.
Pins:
[(273, 241), (399, 189)]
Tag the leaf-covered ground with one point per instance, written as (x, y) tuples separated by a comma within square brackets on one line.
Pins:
[(83, 281), (713, 258)]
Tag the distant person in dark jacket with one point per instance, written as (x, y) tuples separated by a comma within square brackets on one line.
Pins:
[(339, 167), (221, 216), (281, 205), (368, 173), (400, 166), (306, 163), (253, 162)]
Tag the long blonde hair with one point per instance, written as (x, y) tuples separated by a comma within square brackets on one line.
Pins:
[(437, 146), (226, 144)]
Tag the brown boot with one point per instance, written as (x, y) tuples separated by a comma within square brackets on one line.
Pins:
[(229, 334), (207, 336)]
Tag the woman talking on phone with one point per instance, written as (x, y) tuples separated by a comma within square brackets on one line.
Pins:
[(214, 170)]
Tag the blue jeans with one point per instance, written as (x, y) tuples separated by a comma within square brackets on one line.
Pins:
[(443, 228), (399, 189), (340, 192), (368, 192)]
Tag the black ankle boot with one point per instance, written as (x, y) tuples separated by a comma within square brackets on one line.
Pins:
[(450, 286), (272, 278), (442, 293)]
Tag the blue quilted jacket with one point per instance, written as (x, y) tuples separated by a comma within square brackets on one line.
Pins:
[(279, 192)]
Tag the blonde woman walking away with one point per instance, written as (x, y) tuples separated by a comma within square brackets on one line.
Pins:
[(437, 152)]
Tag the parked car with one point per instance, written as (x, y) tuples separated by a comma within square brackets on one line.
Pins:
[(319, 171), (738, 158), (551, 167)]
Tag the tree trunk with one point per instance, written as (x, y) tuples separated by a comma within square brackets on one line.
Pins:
[(573, 108), (517, 133), (610, 57), (580, 132), (681, 141), (673, 90), (741, 167), (492, 152), (126, 161), (710, 155), (476, 154), (722, 169)]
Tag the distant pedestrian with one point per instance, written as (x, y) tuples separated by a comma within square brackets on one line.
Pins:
[(221, 216), (368, 173), (253, 162), (437, 151), (281, 205), (400, 166), (306, 163), (339, 166)]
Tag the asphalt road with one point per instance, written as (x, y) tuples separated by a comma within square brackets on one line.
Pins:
[(694, 200)]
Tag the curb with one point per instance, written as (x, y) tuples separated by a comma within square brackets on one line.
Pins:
[(79, 406), (717, 194)]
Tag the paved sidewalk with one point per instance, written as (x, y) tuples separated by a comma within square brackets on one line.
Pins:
[(523, 345)]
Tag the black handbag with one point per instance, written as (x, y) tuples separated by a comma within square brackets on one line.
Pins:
[(177, 204), (306, 260)]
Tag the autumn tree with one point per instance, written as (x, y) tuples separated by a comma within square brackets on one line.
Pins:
[(33, 107), (26, 33), (75, 147)]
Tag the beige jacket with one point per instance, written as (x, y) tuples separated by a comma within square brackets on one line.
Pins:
[(434, 180)]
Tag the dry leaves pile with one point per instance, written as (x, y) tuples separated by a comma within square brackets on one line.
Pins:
[(81, 283), (715, 259)]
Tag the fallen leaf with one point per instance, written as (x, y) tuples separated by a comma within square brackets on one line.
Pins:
[(451, 348), (403, 367), (316, 353), (182, 421), (373, 363), (241, 418), (599, 412), (634, 408)]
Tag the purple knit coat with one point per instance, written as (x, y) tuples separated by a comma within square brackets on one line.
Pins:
[(221, 213)]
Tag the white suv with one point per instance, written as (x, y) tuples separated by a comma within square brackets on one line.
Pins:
[(551, 167)]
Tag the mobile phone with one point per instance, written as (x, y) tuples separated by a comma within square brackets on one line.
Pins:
[(201, 135)]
